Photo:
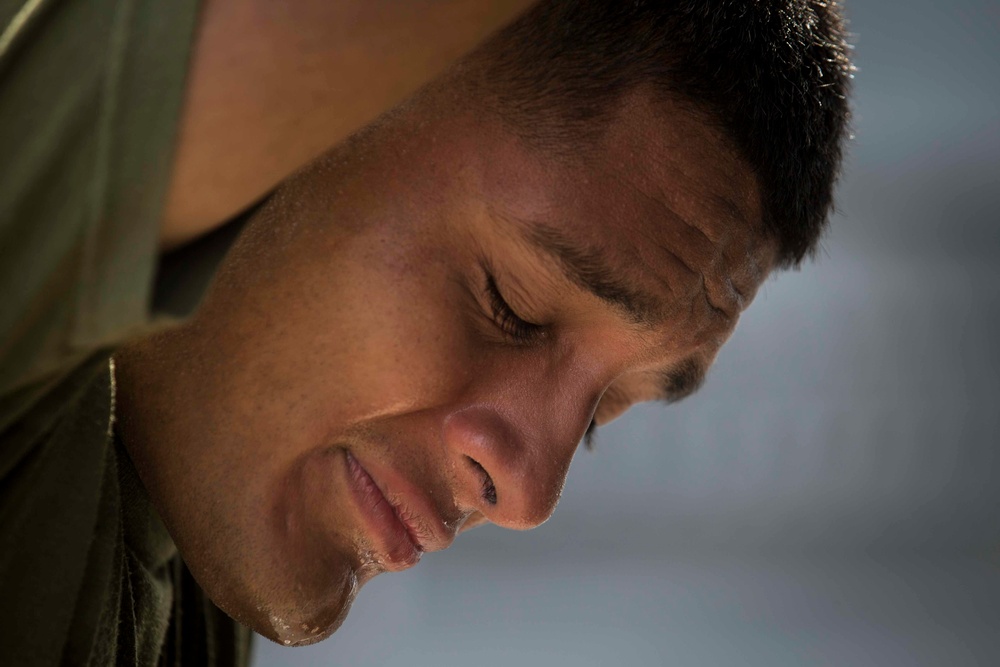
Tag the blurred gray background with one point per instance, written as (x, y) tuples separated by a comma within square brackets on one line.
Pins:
[(832, 496)]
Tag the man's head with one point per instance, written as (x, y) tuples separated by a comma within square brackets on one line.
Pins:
[(770, 76), (415, 332)]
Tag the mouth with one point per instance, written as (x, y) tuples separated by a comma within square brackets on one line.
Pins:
[(397, 529)]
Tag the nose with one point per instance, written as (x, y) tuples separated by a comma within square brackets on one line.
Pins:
[(510, 454)]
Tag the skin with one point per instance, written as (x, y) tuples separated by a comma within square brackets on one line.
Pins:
[(272, 85), (351, 317)]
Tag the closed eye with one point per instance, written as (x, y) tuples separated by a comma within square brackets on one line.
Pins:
[(514, 327)]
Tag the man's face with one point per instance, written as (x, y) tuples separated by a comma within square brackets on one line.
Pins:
[(414, 335)]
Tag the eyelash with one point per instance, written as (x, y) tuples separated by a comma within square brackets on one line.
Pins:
[(590, 436), (514, 327)]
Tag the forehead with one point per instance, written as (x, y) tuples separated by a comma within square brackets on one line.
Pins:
[(671, 159), (659, 195), (658, 146)]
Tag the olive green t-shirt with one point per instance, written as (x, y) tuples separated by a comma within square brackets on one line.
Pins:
[(90, 93)]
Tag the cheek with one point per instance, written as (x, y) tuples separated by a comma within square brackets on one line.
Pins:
[(396, 338), (330, 333)]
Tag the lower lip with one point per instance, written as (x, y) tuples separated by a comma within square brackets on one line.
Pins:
[(391, 538)]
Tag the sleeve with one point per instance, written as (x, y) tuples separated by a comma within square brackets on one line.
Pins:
[(90, 95)]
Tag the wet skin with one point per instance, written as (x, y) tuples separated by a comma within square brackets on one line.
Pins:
[(413, 336)]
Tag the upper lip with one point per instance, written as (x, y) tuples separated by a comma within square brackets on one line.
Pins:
[(413, 508)]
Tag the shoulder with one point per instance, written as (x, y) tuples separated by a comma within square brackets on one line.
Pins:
[(89, 96)]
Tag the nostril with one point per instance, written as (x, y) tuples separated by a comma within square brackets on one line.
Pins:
[(489, 491)]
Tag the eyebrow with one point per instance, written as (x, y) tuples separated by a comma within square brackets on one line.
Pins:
[(588, 268), (682, 380)]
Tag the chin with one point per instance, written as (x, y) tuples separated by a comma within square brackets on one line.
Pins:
[(291, 624), (289, 610)]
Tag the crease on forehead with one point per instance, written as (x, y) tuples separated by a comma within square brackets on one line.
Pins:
[(684, 255), (719, 255), (592, 270), (708, 231), (695, 175)]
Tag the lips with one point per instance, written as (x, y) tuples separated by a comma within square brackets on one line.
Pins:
[(401, 528), (391, 538)]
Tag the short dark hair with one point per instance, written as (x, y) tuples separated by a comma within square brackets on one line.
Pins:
[(773, 75)]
